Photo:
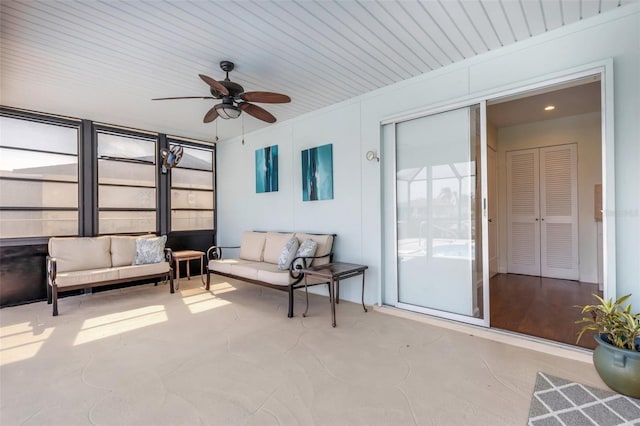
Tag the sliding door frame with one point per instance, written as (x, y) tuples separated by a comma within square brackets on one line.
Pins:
[(602, 68), (484, 246)]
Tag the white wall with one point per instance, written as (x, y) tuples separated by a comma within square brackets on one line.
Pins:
[(584, 130), (354, 128)]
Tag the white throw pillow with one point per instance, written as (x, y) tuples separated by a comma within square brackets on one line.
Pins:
[(287, 254), (150, 250), (306, 249)]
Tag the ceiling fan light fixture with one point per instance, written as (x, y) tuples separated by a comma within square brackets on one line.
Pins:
[(228, 111)]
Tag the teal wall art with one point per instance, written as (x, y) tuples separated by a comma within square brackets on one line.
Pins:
[(267, 169), (317, 173)]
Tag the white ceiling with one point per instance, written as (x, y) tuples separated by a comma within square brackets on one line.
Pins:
[(106, 60)]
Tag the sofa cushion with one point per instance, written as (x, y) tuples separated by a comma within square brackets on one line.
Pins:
[(224, 265), (247, 269), (252, 246), (287, 254), (306, 249), (270, 273), (133, 271), (123, 250), (150, 250), (273, 246), (80, 253), (66, 279), (325, 246)]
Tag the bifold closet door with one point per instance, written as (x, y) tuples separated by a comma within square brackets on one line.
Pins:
[(523, 204), (542, 203), (559, 212)]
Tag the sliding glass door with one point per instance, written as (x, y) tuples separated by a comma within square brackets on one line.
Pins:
[(441, 263)]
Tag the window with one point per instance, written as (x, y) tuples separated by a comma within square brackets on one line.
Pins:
[(192, 190), (126, 183), (38, 178)]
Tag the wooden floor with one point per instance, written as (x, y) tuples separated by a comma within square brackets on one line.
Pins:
[(541, 307)]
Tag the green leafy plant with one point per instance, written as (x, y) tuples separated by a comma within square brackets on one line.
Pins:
[(614, 322)]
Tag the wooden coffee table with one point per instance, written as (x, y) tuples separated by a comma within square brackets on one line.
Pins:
[(333, 273), (187, 255)]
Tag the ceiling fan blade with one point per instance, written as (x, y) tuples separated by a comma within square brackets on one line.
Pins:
[(184, 97), (257, 112), (265, 97), (211, 115), (215, 85)]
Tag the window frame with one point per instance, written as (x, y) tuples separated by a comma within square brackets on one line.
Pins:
[(170, 187), (132, 134), (87, 173), (52, 120)]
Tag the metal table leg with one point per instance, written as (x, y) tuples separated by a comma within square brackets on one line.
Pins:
[(363, 307), (306, 292), (333, 302)]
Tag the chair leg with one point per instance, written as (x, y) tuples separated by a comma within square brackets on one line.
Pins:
[(49, 294), (208, 286), (171, 288)]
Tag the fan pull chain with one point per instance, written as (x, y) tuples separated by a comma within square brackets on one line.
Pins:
[(217, 131), (243, 130)]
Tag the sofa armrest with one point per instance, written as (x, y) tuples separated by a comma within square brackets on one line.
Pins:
[(52, 269), (168, 255), (215, 252), (294, 269)]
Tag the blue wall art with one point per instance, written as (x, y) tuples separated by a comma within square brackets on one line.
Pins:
[(317, 173), (267, 169)]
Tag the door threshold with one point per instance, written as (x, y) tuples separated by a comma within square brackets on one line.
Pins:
[(502, 336)]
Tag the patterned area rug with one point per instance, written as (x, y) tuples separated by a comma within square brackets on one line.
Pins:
[(557, 402)]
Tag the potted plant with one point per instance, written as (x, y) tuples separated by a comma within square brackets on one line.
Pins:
[(617, 356)]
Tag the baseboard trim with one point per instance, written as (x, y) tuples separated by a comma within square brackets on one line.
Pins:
[(513, 339)]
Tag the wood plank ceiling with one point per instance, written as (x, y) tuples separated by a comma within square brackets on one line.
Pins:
[(105, 60)]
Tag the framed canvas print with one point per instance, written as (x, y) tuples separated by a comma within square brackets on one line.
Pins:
[(267, 169), (317, 173)]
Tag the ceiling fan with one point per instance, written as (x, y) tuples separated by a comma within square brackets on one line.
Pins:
[(235, 99)]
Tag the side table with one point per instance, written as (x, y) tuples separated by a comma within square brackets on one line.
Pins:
[(187, 255), (333, 273)]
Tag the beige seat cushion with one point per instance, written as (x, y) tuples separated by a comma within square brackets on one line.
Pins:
[(325, 245), (224, 265), (268, 272), (273, 245), (271, 274), (65, 279), (80, 253), (133, 271), (252, 246), (246, 269)]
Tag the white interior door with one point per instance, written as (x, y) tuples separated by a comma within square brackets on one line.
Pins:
[(523, 208), (542, 200), (559, 212), (492, 210)]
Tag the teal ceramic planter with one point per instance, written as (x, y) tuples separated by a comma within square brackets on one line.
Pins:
[(618, 368)]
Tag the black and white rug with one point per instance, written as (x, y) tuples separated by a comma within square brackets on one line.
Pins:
[(557, 402)]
